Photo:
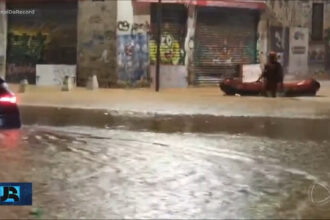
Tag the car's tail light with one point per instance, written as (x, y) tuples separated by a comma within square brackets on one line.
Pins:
[(8, 99)]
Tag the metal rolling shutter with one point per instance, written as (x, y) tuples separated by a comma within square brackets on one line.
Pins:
[(224, 39), (174, 20)]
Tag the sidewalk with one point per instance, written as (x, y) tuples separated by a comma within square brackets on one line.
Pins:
[(196, 101)]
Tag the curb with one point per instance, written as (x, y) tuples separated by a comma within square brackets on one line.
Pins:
[(284, 128)]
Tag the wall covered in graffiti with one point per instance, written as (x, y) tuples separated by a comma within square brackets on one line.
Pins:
[(133, 50), (171, 50), (40, 38), (97, 42), (173, 34), (132, 57)]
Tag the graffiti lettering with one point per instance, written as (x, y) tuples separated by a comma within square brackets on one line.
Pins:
[(13, 69), (123, 25), (140, 28), (135, 27)]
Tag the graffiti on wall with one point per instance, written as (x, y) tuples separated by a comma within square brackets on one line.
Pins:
[(231, 50), (134, 28), (133, 51), (171, 52), (132, 57), (42, 39), (52, 75), (25, 50)]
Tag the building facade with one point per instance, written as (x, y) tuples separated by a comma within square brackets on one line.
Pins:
[(300, 30), (62, 37), (201, 40)]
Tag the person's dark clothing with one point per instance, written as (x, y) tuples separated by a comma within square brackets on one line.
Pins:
[(273, 75)]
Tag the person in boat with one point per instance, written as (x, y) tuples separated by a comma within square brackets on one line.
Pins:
[(272, 75)]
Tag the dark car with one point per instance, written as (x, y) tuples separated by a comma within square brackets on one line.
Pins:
[(9, 112)]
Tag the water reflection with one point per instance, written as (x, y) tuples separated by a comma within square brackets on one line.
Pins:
[(104, 173), (11, 138)]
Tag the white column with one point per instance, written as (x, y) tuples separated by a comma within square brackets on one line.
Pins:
[(125, 16)]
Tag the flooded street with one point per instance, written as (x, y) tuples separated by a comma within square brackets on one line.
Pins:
[(83, 172)]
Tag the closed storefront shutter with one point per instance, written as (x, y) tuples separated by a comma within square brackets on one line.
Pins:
[(174, 19), (224, 39)]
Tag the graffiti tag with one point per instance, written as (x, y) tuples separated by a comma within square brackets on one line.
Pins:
[(135, 27), (123, 25)]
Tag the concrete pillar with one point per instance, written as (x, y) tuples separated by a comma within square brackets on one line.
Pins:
[(97, 41), (189, 42), (262, 43)]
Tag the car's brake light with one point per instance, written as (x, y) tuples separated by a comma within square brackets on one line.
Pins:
[(8, 99)]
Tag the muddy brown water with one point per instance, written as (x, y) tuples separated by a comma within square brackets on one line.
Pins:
[(84, 172), (288, 128), (98, 164)]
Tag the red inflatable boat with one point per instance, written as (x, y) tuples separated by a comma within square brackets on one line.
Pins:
[(234, 86)]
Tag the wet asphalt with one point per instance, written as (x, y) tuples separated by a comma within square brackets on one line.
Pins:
[(103, 165)]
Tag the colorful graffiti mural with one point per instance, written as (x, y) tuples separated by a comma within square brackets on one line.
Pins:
[(132, 57), (24, 52), (45, 38), (171, 52), (25, 48)]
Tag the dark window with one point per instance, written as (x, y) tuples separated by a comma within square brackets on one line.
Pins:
[(317, 22)]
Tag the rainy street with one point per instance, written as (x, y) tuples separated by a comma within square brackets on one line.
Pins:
[(164, 109), (90, 172)]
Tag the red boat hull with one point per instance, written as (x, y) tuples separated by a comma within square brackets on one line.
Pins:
[(307, 87)]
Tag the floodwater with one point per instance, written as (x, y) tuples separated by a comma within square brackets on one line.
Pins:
[(85, 172)]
